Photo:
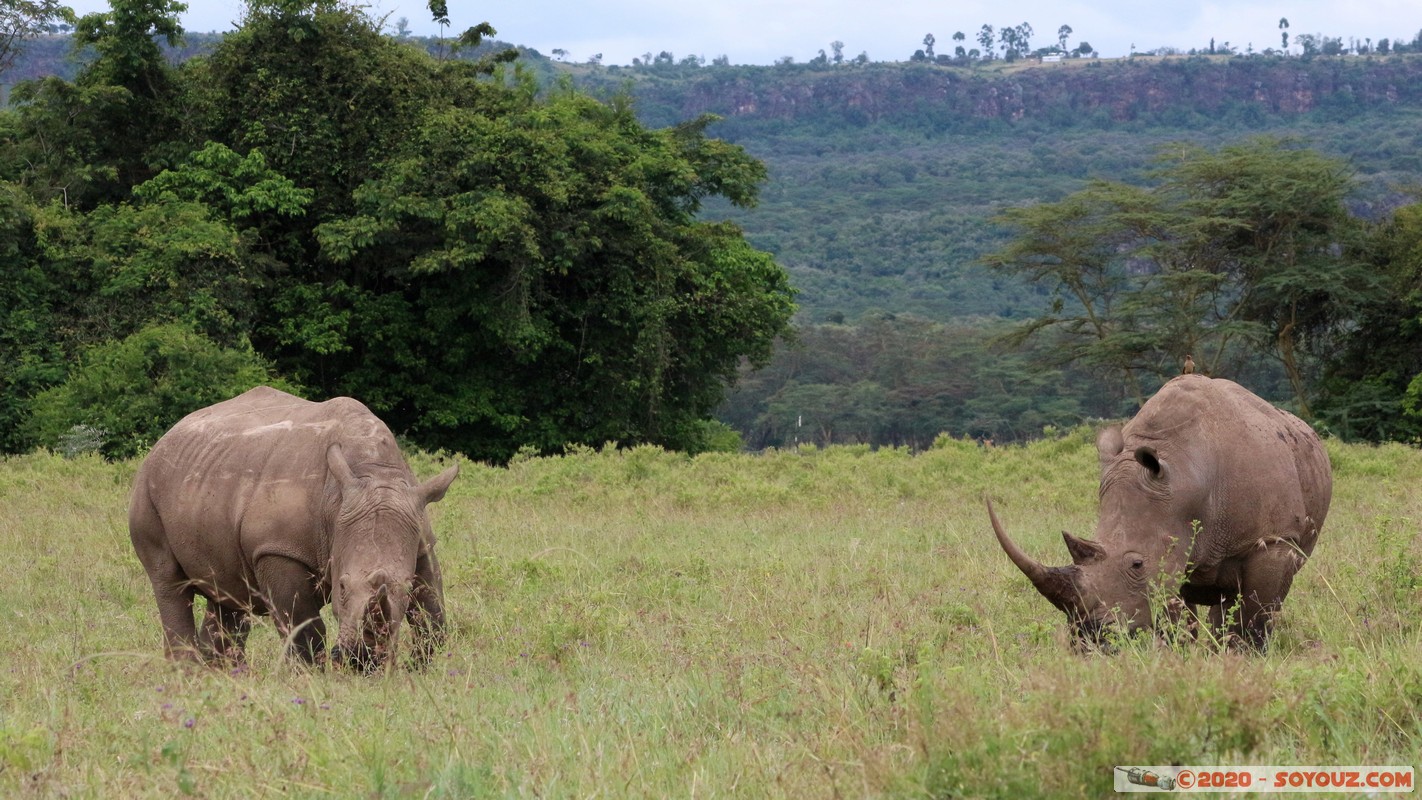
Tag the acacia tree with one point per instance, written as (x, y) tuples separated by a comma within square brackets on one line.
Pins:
[(1086, 251), (1250, 245), (1271, 215)]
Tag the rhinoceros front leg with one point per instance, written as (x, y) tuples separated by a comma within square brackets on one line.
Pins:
[(289, 590), (426, 614), (1268, 574), (223, 635)]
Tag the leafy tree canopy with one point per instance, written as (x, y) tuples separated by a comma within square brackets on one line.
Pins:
[(488, 266), (128, 393), (1245, 249)]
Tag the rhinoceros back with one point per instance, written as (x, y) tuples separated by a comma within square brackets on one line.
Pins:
[(1258, 467)]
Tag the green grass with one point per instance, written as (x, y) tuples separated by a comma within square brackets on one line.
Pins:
[(813, 623)]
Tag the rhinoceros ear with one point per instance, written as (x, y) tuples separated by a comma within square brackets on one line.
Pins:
[(432, 490), (1109, 444), (1146, 457), (339, 469), (1083, 551)]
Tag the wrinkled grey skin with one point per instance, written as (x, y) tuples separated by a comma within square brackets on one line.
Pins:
[(270, 504), (1257, 480)]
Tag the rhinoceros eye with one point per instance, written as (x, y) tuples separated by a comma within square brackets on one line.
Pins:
[(1137, 564)]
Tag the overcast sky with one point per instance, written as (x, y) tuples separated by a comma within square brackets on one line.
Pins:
[(764, 31)]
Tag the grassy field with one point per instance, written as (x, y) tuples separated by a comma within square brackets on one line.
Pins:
[(814, 623)]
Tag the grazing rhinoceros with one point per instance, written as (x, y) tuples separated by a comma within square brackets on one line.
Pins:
[(1211, 489), (270, 504)]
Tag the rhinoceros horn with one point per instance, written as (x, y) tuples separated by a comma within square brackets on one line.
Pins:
[(1057, 584)]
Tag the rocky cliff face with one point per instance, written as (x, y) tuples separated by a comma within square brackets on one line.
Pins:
[(1120, 90)]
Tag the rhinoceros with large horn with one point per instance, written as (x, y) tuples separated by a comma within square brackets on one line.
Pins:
[(1209, 489), (270, 504)]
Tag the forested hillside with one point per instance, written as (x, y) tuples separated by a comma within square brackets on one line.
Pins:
[(883, 175), (887, 187)]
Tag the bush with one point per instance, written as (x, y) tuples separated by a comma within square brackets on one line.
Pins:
[(718, 437), (135, 389)]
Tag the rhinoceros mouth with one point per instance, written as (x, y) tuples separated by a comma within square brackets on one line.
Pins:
[(372, 642), (361, 657), (1090, 634), (372, 648)]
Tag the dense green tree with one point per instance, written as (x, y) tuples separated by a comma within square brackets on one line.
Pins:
[(1248, 245), (88, 141), (32, 317), (53, 144), (487, 266), (125, 394), (1372, 381), (608, 312), (75, 281), (1270, 216), (316, 88), (129, 59)]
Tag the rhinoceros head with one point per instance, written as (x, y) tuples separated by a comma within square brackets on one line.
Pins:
[(379, 535), (1108, 582)]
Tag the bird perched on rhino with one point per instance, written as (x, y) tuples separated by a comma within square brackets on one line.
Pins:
[(1189, 365)]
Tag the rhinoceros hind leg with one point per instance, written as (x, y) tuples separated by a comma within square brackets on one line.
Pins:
[(289, 590), (175, 609), (171, 587), (174, 593), (223, 635)]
